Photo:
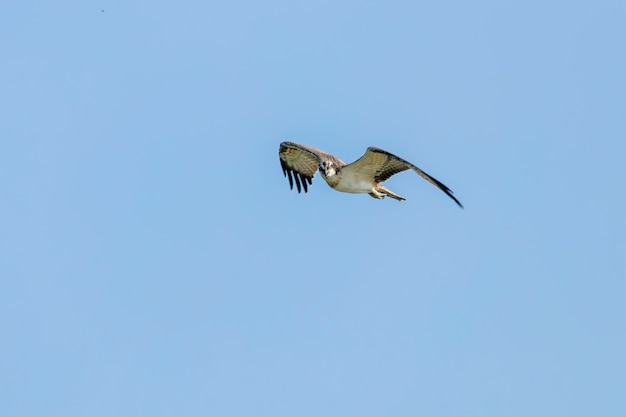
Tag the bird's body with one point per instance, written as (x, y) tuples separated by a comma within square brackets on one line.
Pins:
[(349, 184), (300, 163)]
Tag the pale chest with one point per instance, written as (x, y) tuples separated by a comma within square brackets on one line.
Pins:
[(350, 183)]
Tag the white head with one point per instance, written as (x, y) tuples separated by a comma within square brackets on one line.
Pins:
[(328, 169)]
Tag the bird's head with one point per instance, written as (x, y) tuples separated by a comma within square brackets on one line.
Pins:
[(328, 169)]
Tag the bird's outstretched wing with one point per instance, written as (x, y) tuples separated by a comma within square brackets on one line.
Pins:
[(301, 162), (381, 165)]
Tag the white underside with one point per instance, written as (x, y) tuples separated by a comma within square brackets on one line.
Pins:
[(353, 185)]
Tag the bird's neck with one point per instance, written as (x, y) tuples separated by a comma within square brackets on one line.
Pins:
[(333, 180)]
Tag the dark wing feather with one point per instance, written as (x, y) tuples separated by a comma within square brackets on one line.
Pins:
[(301, 162), (382, 165)]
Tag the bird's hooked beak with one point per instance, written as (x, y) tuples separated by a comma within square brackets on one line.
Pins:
[(327, 168)]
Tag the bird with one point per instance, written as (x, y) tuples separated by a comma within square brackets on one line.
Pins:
[(300, 163)]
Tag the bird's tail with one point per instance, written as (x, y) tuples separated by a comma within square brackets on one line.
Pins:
[(389, 193)]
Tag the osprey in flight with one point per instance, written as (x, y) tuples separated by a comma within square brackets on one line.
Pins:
[(365, 175)]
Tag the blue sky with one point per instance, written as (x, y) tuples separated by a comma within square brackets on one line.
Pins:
[(156, 263)]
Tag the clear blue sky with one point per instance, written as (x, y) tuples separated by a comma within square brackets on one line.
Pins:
[(155, 263)]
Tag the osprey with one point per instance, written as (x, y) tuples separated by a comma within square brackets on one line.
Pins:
[(365, 175)]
